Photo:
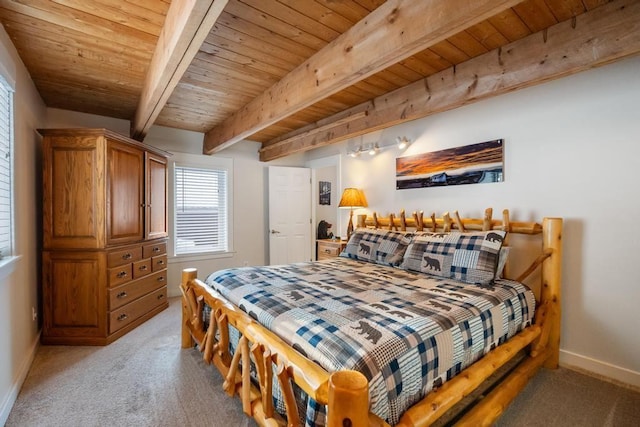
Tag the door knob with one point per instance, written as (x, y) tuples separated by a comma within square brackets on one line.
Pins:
[(275, 232)]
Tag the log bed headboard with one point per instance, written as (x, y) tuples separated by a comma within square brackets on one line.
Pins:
[(344, 392)]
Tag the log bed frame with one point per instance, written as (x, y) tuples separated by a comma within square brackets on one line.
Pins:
[(346, 392)]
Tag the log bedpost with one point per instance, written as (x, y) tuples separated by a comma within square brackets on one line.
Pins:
[(188, 275), (551, 284), (348, 399)]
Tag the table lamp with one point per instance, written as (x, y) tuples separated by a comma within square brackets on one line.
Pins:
[(352, 198)]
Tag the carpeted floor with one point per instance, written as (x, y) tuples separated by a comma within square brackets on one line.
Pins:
[(145, 379)]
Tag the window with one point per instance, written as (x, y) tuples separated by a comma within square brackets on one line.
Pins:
[(201, 210), (6, 170)]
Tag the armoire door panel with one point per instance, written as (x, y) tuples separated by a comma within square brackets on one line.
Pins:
[(74, 204), (75, 293), (125, 198), (156, 198)]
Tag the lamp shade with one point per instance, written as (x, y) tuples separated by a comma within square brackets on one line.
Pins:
[(352, 198)]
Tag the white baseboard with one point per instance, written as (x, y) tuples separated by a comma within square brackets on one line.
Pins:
[(11, 397), (599, 368)]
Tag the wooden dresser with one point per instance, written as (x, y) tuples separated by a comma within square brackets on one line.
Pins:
[(104, 235)]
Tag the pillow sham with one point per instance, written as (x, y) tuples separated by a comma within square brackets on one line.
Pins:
[(384, 247), (467, 257)]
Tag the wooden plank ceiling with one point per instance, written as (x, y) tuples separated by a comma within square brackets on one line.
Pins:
[(230, 58)]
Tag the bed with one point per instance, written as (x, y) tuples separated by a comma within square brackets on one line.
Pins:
[(415, 315)]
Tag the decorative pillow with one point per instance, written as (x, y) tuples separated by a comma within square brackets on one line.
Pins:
[(467, 257), (383, 247)]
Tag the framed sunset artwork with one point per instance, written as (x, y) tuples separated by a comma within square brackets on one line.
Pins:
[(469, 164)]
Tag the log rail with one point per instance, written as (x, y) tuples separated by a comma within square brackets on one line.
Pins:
[(346, 392)]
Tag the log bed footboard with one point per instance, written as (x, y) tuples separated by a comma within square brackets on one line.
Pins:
[(346, 392)]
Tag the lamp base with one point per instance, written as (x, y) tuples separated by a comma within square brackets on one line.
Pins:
[(350, 226)]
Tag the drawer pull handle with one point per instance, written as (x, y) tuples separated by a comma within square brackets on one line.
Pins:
[(160, 296), (156, 249), (328, 251), (122, 294), (127, 256), (122, 317), (121, 274), (142, 267), (161, 279), (161, 262)]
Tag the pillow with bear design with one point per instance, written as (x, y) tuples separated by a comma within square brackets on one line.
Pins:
[(467, 257), (385, 247)]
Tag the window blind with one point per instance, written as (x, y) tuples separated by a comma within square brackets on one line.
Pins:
[(200, 210), (6, 175)]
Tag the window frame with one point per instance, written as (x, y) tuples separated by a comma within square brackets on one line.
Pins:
[(8, 260), (199, 162)]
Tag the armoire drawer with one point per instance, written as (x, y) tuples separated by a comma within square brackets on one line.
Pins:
[(124, 256), (128, 313), (154, 249), (119, 275), (141, 268), (159, 262), (133, 290)]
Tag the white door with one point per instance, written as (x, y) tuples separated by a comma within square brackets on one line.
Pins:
[(289, 215)]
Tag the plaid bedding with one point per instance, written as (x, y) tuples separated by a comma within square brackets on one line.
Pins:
[(407, 332)]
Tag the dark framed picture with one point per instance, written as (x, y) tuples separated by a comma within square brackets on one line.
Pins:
[(469, 164), (325, 192)]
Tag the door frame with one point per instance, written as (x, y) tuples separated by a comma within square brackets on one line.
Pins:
[(323, 162)]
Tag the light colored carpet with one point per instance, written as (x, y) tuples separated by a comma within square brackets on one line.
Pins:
[(146, 379)]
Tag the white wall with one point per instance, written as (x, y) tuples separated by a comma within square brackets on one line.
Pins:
[(571, 150), (19, 290)]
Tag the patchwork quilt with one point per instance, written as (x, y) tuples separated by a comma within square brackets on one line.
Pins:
[(407, 332)]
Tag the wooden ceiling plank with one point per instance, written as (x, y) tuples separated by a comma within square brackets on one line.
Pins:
[(85, 23), (204, 60), (418, 65), (386, 36), (229, 55), (187, 24), (225, 68), (298, 20), (320, 13), (370, 5), (468, 44), (192, 77), (535, 14), (33, 27), (408, 74), (449, 52), (350, 10), (603, 35), (262, 45), (275, 25), (510, 25), (488, 35), (592, 4), (247, 27), (71, 59), (220, 44), (124, 14), (566, 9), (230, 80), (185, 89)]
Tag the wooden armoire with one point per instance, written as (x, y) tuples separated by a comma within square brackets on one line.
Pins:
[(104, 235)]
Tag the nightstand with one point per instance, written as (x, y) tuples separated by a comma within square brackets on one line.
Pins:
[(329, 248)]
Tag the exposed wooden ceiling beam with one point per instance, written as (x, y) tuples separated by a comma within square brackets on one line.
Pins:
[(603, 35), (186, 26), (392, 32)]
